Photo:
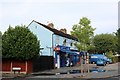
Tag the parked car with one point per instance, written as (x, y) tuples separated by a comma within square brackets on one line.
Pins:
[(108, 61), (101, 62), (95, 57)]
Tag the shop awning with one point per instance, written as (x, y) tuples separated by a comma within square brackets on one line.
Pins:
[(66, 49)]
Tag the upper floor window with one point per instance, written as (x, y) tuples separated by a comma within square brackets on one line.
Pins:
[(35, 27), (71, 44), (64, 42), (57, 39)]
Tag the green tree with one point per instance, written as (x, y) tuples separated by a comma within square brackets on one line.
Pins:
[(110, 54), (0, 44), (20, 43), (84, 33), (91, 49), (105, 43), (118, 41)]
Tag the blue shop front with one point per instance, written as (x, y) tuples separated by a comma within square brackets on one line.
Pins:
[(65, 57)]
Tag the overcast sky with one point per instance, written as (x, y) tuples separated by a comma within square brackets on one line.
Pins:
[(63, 13)]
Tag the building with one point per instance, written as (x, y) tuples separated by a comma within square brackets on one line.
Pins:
[(55, 43)]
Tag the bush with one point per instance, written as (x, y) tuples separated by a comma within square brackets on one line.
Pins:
[(109, 54), (115, 59)]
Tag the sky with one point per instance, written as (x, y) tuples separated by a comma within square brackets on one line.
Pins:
[(103, 14)]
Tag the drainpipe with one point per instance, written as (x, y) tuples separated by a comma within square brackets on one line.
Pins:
[(52, 50), (52, 45)]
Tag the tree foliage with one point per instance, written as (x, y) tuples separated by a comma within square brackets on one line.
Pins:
[(105, 43), (19, 43), (110, 54), (0, 43), (84, 33), (118, 41)]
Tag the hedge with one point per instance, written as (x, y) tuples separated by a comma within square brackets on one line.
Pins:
[(116, 59)]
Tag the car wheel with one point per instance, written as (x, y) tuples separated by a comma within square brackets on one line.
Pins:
[(104, 64), (107, 62)]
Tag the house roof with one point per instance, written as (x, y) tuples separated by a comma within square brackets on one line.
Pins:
[(55, 31)]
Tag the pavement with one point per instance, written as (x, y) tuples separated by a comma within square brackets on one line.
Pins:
[(65, 69), (111, 71)]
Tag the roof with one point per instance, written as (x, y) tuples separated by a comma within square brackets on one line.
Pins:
[(57, 32)]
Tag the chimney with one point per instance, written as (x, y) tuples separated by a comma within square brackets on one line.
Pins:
[(63, 30), (50, 24)]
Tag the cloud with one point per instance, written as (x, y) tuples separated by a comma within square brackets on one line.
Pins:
[(63, 14)]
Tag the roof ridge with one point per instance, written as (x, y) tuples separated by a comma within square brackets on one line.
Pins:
[(57, 31)]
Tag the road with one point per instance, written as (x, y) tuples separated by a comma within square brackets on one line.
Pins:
[(110, 74), (111, 70), (111, 78)]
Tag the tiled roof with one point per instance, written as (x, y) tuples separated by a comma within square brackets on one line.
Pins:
[(55, 31)]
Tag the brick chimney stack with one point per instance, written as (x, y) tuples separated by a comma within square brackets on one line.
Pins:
[(63, 30), (50, 24)]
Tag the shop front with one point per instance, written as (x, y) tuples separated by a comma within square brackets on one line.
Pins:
[(64, 57)]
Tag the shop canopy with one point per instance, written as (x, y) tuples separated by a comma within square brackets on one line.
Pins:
[(67, 50)]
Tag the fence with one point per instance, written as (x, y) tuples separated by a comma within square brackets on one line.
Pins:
[(43, 63), (8, 64)]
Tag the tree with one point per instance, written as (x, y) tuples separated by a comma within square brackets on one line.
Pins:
[(84, 33), (105, 43), (110, 54), (19, 43), (0, 44), (91, 49), (118, 41)]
